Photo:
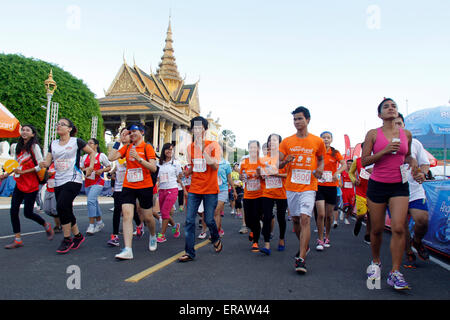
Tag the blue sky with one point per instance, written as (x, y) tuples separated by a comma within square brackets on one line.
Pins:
[(256, 60)]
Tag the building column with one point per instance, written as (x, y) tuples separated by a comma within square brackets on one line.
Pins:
[(177, 140), (169, 126), (162, 131), (155, 132)]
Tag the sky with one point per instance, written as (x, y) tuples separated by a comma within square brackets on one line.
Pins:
[(256, 60)]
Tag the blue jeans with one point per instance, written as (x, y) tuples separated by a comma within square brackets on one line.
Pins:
[(193, 202), (92, 200)]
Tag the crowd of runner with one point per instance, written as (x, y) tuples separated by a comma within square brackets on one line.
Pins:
[(302, 175)]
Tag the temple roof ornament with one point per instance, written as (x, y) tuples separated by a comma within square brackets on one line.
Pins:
[(167, 67)]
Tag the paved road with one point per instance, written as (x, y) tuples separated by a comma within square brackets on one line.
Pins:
[(36, 271)]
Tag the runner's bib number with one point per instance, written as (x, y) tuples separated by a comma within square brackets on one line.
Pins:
[(199, 165), (364, 174), (348, 185), (327, 176), (301, 176), (164, 177), (253, 185), (51, 183), (62, 164), (135, 175), (273, 182), (404, 171)]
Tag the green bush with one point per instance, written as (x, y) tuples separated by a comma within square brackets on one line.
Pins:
[(22, 91)]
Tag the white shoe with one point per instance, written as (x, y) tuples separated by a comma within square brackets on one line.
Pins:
[(99, 226), (153, 243), (346, 221), (125, 254), (91, 229), (319, 246), (202, 235)]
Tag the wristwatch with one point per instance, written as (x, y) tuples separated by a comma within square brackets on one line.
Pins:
[(140, 160)]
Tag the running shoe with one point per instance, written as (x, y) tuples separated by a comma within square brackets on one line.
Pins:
[(250, 236), (65, 246), (90, 230), (139, 231), (421, 251), (346, 221), (152, 244), (300, 266), (57, 229), (181, 209), (77, 241), (255, 247), (335, 224), (114, 241), (367, 238), (374, 271), (14, 245), (243, 230), (357, 227), (222, 214), (341, 215), (125, 254), (265, 251), (327, 243), (397, 281), (202, 235), (49, 231), (176, 230), (319, 246), (99, 226), (410, 262), (161, 238), (221, 233)]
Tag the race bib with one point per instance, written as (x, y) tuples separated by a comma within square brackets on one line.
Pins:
[(301, 176), (327, 176), (120, 175), (164, 177), (273, 182), (253, 185), (62, 164), (51, 183), (404, 171), (199, 165), (135, 175), (364, 174), (348, 185)]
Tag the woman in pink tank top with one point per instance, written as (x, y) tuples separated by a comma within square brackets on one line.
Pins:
[(388, 148)]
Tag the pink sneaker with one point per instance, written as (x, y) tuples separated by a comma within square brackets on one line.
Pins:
[(176, 231), (161, 238), (221, 232), (327, 243)]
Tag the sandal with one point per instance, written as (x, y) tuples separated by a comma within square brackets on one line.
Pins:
[(218, 246), (185, 258)]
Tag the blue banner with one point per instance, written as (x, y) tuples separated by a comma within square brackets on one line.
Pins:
[(438, 199)]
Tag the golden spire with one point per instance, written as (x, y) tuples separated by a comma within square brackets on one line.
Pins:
[(167, 67)]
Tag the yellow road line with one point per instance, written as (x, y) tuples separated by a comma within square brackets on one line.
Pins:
[(141, 275)]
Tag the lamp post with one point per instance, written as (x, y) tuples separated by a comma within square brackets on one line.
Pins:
[(50, 86)]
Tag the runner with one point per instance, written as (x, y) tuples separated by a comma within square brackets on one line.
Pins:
[(169, 177), (304, 152), (239, 187), (137, 185), (203, 159), (360, 178), (28, 154), (273, 193), (388, 185), (348, 191), (327, 190), (65, 154), (250, 170), (418, 208), (94, 186)]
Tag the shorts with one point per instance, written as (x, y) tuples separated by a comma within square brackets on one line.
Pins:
[(361, 206), (348, 197), (301, 202), (329, 194), (420, 204), (223, 196), (167, 198), (380, 192), (230, 195), (145, 197)]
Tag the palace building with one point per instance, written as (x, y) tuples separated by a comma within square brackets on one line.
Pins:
[(161, 101)]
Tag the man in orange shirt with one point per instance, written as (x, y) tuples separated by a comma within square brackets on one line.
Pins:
[(137, 185), (303, 152), (203, 158)]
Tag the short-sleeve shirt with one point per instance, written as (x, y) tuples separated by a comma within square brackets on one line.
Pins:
[(416, 190), (254, 186), (204, 177), (331, 166), (137, 176), (67, 160), (274, 186), (300, 176), (168, 173), (222, 174)]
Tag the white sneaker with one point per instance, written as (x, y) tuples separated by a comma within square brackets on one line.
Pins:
[(202, 235), (99, 226), (153, 244), (319, 246), (125, 254), (91, 229), (346, 221)]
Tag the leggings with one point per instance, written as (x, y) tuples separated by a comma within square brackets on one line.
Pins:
[(16, 200), (180, 197), (65, 195), (253, 215), (267, 204), (118, 212)]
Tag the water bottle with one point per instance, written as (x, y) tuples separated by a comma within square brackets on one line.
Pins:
[(133, 147), (245, 175)]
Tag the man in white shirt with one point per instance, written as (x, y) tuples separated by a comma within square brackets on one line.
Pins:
[(418, 208)]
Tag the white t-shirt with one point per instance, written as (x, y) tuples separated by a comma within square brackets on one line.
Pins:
[(416, 190), (121, 170), (168, 173), (67, 160)]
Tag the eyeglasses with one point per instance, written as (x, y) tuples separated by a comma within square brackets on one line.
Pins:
[(62, 124)]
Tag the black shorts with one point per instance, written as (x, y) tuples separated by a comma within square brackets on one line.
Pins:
[(145, 197), (380, 192), (329, 194)]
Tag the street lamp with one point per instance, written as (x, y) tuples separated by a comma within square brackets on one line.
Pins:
[(50, 86)]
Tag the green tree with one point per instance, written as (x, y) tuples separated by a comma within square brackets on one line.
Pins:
[(22, 91)]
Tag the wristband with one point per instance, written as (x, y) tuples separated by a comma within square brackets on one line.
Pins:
[(116, 145)]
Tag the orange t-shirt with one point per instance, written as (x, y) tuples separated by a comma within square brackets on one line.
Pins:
[(254, 187), (137, 176), (274, 186), (300, 176), (330, 168), (204, 178)]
